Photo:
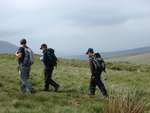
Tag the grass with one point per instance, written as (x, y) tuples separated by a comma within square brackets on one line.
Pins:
[(73, 76)]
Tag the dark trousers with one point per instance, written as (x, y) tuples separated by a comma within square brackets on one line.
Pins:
[(96, 81), (48, 79)]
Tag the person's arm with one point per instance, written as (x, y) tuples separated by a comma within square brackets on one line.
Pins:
[(92, 67), (19, 53)]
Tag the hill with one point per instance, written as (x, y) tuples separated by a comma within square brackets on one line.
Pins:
[(123, 53), (138, 55), (136, 59), (6, 47), (73, 75), (130, 52)]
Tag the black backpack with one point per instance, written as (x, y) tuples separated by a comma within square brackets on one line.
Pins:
[(99, 62), (52, 59)]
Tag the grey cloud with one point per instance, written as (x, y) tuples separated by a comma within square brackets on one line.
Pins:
[(104, 18), (13, 32), (72, 27)]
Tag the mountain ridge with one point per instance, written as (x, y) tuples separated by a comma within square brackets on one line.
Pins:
[(113, 54), (7, 47)]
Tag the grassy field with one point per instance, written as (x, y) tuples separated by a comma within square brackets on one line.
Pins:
[(73, 76), (136, 59)]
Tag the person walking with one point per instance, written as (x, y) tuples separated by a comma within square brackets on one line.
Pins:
[(97, 66), (25, 60), (49, 60)]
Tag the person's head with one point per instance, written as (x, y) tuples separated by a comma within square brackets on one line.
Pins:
[(43, 47), (90, 52), (23, 42)]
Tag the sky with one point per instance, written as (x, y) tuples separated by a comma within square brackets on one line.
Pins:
[(72, 26)]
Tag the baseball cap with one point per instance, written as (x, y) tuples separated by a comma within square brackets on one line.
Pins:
[(90, 50), (43, 46)]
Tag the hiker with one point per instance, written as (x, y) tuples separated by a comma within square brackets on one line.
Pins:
[(97, 66), (25, 60), (49, 61)]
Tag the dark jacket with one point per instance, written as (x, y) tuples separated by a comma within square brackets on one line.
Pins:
[(94, 70)]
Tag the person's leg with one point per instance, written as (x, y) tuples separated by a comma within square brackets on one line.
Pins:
[(28, 71), (24, 75), (22, 87), (28, 85), (21, 71), (92, 86), (46, 81), (52, 82), (101, 85)]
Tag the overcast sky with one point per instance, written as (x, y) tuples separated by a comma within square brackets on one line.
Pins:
[(71, 26)]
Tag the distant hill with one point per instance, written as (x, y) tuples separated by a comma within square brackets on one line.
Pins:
[(6, 47), (137, 55), (130, 52), (124, 53), (136, 59)]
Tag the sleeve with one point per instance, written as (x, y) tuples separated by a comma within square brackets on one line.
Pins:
[(20, 54), (20, 50), (92, 68)]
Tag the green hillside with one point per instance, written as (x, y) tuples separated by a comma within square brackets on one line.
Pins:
[(136, 59), (73, 75)]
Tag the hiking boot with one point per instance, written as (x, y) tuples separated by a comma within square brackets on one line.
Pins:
[(45, 89), (106, 96), (56, 88), (32, 91), (23, 89), (91, 94)]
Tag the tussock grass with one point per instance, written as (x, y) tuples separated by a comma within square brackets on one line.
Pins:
[(124, 105), (126, 102)]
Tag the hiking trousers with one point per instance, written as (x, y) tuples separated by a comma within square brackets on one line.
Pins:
[(48, 79), (96, 81), (24, 72)]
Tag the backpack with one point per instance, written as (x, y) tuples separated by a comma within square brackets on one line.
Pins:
[(29, 57), (99, 62), (52, 59)]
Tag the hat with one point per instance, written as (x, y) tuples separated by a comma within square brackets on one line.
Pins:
[(23, 41), (43, 46), (90, 50)]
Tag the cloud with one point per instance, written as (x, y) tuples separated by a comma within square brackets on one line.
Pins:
[(74, 25)]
